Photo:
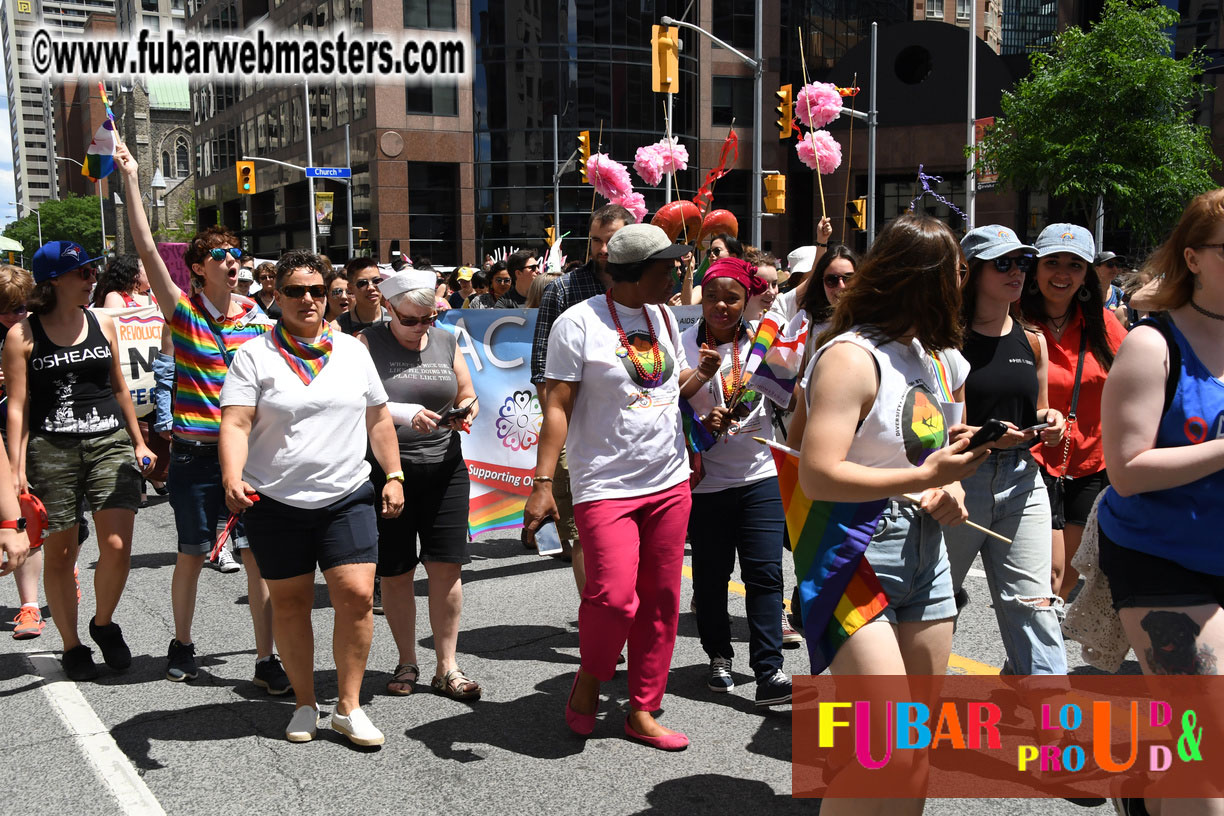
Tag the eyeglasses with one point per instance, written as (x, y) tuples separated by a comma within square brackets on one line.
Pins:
[(1024, 263), (1209, 246), (365, 282), (339, 292), (296, 291), (218, 253), (833, 281), (265, 278), (87, 272), (502, 281), (532, 267), (410, 322)]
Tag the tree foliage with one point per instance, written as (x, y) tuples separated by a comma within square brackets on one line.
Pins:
[(186, 223), (71, 218), (1109, 111)]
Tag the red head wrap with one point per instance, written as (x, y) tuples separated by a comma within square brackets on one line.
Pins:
[(738, 270)]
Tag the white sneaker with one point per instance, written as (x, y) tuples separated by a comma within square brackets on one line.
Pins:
[(357, 727), (304, 726), (226, 562)]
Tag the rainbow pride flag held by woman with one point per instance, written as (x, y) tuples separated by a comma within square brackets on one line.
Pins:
[(100, 156), (773, 362), (838, 589)]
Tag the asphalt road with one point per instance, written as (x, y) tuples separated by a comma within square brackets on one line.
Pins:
[(216, 745)]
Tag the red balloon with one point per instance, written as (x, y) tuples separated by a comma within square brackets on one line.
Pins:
[(678, 218), (718, 222)]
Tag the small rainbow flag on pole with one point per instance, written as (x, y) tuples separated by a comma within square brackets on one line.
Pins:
[(100, 157), (775, 358), (838, 590)]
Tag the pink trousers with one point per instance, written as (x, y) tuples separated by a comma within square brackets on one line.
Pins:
[(634, 552)]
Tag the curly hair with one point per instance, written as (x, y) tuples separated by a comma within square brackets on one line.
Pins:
[(119, 276), (296, 259), (206, 239)]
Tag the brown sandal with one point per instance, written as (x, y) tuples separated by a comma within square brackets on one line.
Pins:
[(403, 681), (457, 686)]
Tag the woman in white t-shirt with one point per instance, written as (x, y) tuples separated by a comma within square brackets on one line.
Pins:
[(880, 389), (613, 390), (737, 510), (298, 406)]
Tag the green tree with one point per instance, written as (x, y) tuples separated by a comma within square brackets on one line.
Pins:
[(1109, 112), (186, 223), (72, 218)]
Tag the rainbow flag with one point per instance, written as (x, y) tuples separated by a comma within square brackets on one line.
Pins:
[(838, 590), (775, 358), (100, 156), (696, 436)]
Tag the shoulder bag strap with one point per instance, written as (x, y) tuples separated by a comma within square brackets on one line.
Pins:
[(1079, 372)]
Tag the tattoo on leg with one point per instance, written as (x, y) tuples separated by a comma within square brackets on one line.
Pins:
[(1173, 649)]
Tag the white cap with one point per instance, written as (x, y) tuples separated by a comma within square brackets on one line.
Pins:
[(406, 280), (800, 261), (244, 274)]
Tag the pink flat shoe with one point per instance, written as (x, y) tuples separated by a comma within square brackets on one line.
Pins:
[(668, 742), (580, 724)]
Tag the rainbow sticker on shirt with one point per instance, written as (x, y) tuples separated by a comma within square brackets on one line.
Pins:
[(922, 425), (640, 341)]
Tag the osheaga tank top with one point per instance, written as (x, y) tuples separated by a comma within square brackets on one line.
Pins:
[(70, 386), (909, 419), (1182, 523), (1002, 381)]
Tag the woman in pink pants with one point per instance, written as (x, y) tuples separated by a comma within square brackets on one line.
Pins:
[(612, 399)]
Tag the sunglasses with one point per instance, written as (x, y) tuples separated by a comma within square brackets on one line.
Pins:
[(364, 283), (1024, 263), (833, 281), (502, 281), (716, 250), (87, 272), (264, 278), (219, 253), (531, 267), (1111, 264), (339, 292), (410, 322), (296, 291)]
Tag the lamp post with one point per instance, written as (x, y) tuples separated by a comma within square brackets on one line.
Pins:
[(36, 215), (101, 201)]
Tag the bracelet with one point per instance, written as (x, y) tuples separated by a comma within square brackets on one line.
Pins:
[(397, 475), (825, 245), (701, 378), (541, 479)]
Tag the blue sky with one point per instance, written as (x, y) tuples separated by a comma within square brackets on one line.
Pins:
[(7, 192)]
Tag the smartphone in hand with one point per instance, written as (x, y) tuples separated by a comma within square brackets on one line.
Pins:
[(548, 540), (990, 432), (457, 413)]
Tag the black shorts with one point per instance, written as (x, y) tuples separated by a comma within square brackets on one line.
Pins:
[(1073, 503), (1137, 579), (435, 511), (289, 541)]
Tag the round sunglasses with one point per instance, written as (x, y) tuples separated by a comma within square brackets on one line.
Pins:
[(218, 253), (833, 281)]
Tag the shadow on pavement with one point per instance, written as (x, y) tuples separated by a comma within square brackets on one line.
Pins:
[(204, 723), (716, 793), (517, 643)]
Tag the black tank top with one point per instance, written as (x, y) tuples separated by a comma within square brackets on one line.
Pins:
[(1002, 380), (70, 386)]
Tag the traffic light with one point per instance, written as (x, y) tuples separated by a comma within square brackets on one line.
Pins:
[(775, 194), (552, 235), (246, 177), (786, 112), (584, 152), (858, 213), (665, 59)]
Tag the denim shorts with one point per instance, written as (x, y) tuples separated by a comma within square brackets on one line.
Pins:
[(289, 541), (64, 469), (908, 556), (195, 496)]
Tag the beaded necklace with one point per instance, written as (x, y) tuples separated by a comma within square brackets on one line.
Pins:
[(736, 369), (656, 356)]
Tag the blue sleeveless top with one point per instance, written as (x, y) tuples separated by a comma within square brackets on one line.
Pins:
[(1183, 523)]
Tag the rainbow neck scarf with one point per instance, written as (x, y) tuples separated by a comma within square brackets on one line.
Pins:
[(306, 359)]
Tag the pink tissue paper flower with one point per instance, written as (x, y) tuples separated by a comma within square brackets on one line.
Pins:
[(652, 162), (819, 150), (818, 104), (634, 203), (610, 179)]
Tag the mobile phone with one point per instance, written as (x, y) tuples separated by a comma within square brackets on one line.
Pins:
[(992, 430), (457, 413), (1040, 426), (548, 540)]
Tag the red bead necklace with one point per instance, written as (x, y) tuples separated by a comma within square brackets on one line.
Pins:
[(656, 356), (736, 371)]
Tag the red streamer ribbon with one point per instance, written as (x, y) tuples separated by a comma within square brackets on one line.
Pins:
[(730, 152)]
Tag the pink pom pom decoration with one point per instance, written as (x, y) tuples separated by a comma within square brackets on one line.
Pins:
[(634, 203), (654, 161), (820, 151), (609, 178), (818, 104)]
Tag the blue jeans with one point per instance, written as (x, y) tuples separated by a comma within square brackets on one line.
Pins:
[(747, 521), (1007, 495), (163, 391)]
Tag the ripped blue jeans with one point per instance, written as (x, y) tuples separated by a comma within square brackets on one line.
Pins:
[(1007, 495)]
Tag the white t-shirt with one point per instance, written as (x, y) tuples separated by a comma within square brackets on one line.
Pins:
[(736, 459), (786, 306), (307, 444), (910, 417), (624, 440)]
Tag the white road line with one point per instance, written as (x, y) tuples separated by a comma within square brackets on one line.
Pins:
[(977, 573), (109, 762)]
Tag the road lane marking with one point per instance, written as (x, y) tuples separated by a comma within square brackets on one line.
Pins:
[(956, 663), (111, 765)]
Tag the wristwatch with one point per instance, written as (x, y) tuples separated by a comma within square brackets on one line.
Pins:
[(18, 524)]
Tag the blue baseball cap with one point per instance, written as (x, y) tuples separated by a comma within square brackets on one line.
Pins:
[(55, 258), (1066, 238), (990, 242)]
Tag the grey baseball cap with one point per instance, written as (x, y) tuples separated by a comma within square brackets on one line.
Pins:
[(1066, 238), (990, 242), (1102, 257), (635, 243)]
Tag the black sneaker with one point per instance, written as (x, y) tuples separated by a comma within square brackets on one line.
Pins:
[(79, 664), (270, 675), (181, 662), (773, 690), (720, 679), (378, 610), (110, 640)]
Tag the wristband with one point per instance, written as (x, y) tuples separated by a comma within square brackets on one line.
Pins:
[(825, 245), (397, 476)]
